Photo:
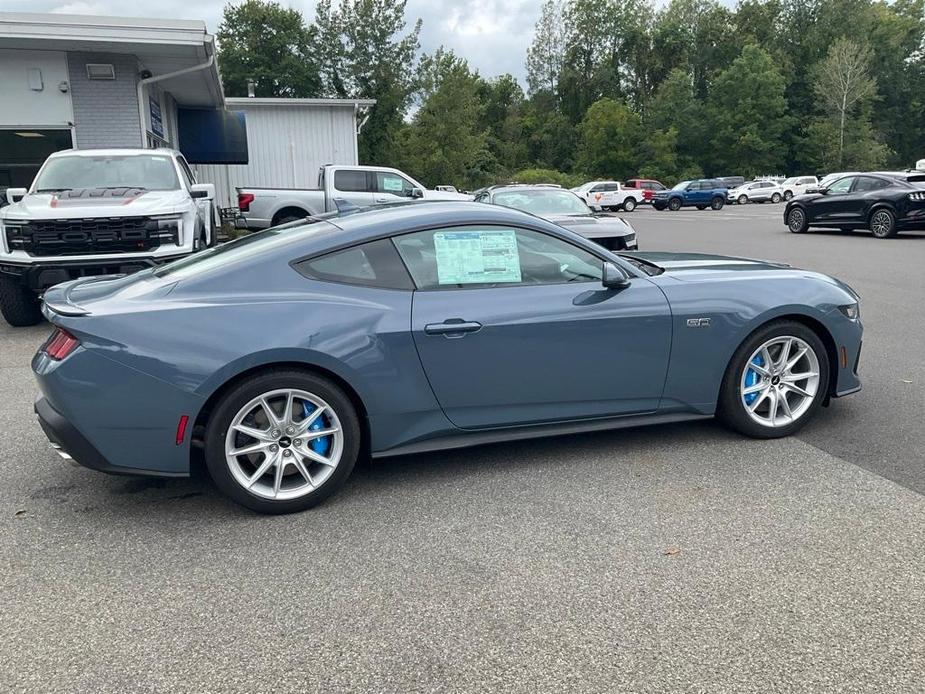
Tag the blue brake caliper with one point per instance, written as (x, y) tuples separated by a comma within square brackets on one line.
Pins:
[(751, 378), (320, 445)]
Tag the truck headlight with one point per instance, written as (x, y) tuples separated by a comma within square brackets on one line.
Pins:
[(166, 228), (14, 235)]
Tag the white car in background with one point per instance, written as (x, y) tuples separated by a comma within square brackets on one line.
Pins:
[(756, 191), (798, 185), (609, 195)]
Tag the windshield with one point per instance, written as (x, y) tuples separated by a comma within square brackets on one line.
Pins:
[(791, 181), (543, 202), (681, 186), (147, 171)]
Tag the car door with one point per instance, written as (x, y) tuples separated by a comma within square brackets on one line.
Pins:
[(203, 205), (693, 193), (759, 191), (514, 327), (354, 186), (392, 187), (864, 193), (834, 206)]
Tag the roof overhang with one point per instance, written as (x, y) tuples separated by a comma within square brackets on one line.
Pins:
[(162, 46), (238, 102)]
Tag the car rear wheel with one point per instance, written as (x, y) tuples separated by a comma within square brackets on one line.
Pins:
[(742, 199), (629, 204), (19, 306), (717, 203), (282, 441), (674, 204), (883, 224), (775, 382), (776, 198), (796, 220)]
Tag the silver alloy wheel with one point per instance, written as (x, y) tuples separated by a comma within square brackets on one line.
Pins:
[(743, 199), (881, 223), (780, 381), (796, 219), (629, 204), (284, 444)]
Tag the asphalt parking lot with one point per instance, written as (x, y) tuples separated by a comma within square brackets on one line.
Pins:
[(677, 559)]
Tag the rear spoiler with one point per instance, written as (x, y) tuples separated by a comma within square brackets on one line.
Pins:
[(58, 299)]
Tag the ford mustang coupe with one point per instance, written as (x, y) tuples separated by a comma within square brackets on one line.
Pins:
[(432, 325)]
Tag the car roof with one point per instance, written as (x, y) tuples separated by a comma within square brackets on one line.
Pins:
[(124, 152)]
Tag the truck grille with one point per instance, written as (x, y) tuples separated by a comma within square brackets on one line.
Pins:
[(88, 236)]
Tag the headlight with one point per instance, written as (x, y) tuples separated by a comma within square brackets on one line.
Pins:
[(166, 228), (851, 311), (14, 235)]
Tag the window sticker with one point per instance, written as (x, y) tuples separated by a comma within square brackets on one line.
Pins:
[(477, 257), (392, 184)]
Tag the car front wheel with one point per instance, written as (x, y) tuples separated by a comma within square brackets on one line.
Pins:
[(742, 199), (775, 198), (674, 204), (796, 220), (883, 224), (787, 195), (775, 382), (282, 441)]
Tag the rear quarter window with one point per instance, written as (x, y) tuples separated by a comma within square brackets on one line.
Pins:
[(373, 264)]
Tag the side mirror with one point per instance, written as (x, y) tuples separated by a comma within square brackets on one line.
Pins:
[(816, 190), (613, 277), (417, 193), (202, 190), (15, 194)]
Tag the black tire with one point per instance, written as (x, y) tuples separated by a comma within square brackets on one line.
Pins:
[(797, 220), (200, 242), (882, 223), (731, 410), (674, 204), (660, 206), (274, 379), (787, 195), (289, 214), (717, 203), (629, 204), (776, 198), (19, 306), (743, 199), (701, 207)]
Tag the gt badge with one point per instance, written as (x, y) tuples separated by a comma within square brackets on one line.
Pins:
[(698, 322)]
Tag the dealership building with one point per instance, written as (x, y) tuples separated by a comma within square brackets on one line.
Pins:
[(86, 82)]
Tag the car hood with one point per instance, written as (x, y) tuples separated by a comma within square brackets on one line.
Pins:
[(592, 226), (681, 263), (124, 202)]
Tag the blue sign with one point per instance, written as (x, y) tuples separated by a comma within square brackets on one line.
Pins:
[(157, 125)]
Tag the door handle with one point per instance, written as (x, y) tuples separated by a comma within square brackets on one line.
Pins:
[(383, 199), (454, 327)]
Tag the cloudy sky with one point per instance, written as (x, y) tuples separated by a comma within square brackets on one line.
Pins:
[(492, 35)]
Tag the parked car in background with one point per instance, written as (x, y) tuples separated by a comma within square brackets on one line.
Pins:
[(797, 185), (283, 356), (732, 181), (756, 191), (884, 202), (609, 195), (828, 179), (98, 212), (566, 209), (359, 186), (702, 193), (446, 189), (648, 186)]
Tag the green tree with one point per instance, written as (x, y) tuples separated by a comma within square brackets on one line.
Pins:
[(501, 117), (546, 53), (749, 116), (675, 108), (271, 45), (609, 135), (443, 143), (366, 53)]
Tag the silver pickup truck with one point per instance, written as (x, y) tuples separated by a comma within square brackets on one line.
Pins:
[(338, 187)]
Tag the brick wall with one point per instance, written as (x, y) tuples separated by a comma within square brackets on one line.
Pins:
[(105, 111)]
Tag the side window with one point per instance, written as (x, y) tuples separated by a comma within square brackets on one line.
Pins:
[(393, 183), (842, 185), (373, 264), (187, 173), (492, 256), (866, 184), (481, 197), (610, 187), (599, 188), (807, 182), (350, 181)]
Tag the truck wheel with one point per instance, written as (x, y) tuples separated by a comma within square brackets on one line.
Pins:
[(629, 204), (674, 204), (717, 203), (19, 306)]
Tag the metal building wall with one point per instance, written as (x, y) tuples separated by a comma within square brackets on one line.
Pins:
[(286, 147)]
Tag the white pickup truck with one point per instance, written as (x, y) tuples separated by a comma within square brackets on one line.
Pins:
[(338, 187), (610, 195), (98, 212)]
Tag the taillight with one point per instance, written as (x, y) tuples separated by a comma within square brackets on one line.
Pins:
[(60, 344), (244, 201)]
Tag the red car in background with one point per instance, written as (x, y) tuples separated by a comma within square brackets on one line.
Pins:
[(647, 185)]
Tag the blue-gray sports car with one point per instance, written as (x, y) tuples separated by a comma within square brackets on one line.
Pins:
[(287, 354)]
